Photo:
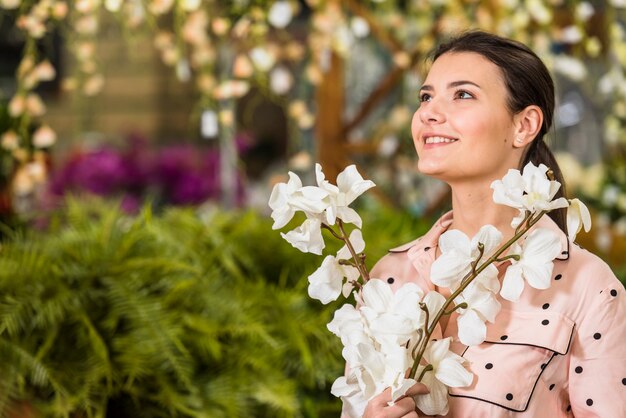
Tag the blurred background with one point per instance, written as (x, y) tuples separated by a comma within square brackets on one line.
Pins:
[(139, 143)]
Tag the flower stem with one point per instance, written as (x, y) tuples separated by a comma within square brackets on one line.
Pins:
[(464, 283), (426, 369), (360, 265)]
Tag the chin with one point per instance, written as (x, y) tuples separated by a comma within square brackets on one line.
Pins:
[(431, 170)]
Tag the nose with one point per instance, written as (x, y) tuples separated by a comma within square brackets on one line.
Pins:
[(431, 112)]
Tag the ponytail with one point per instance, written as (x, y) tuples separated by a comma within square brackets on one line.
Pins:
[(539, 153)]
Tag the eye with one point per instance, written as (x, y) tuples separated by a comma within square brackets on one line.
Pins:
[(425, 97), (463, 94)]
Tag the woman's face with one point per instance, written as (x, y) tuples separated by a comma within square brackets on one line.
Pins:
[(463, 130)]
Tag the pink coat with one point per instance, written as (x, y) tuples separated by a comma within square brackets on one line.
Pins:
[(559, 352)]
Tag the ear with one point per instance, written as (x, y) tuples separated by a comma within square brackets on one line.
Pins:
[(527, 125)]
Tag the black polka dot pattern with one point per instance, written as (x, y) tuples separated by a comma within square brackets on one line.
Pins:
[(509, 396), (488, 366), (545, 322), (578, 370), (504, 337), (426, 248), (558, 277), (613, 292), (597, 336), (569, 408), (543, 366), (552, 386), (624, 381), (390, 280), (589, 402), (546, 306)]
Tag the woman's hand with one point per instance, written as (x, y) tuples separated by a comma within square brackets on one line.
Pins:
[(404, 407)]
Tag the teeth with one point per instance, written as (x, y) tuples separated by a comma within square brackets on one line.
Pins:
[(438, 140)]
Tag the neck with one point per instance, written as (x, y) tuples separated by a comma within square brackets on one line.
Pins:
[(473, 207)]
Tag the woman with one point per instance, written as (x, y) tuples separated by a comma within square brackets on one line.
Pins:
[(486, 105)]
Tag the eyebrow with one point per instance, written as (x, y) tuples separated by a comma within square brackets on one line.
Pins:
[(451, 85)]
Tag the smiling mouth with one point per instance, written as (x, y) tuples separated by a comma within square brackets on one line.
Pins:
[(439, 140)]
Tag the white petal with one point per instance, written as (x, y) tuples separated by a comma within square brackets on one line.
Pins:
[(578, 216), (282, 216), (449, 268), (343, 316), (540, 246), (455, 240), (437, 350), (452, 373), (509, 190), (352, 184), (435, 402), (513, 284), (472, 329), (326, 282), (349, 216), (307, 237), (400, 390), (489, 236), (356, 239), (434, 301), (377, 295), (538, 275)]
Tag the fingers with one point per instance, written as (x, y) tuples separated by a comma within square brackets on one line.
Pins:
[(417, 389), (379, 407), (402, 407)]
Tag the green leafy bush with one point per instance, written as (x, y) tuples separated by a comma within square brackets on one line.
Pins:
[(181, 314)]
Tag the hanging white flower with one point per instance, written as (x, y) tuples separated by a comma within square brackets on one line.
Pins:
[(578, 217), (287, 198), (528, 191), (348, 324), (307, 237), (458, 252), (350, 185), (393, 318), (448, 371), (534, 266), (379, 370), (326, 282), (347, 388), (482, 306)]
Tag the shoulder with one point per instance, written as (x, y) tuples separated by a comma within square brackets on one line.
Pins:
[(592, 274)]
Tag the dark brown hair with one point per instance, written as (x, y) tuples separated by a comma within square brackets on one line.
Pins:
[(528, 82)]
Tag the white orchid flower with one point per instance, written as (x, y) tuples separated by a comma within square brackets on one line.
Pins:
[(534, 266), (287, 198), (393, 318), (578, 217), (448, 371), (529, 191), (326, 283), (307, 237), (348, 325), (347, 388), (380, 370), (458, 252), (350, 185), (482, 306)]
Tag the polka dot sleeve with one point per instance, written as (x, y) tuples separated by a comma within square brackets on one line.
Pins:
[(597, 373)]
